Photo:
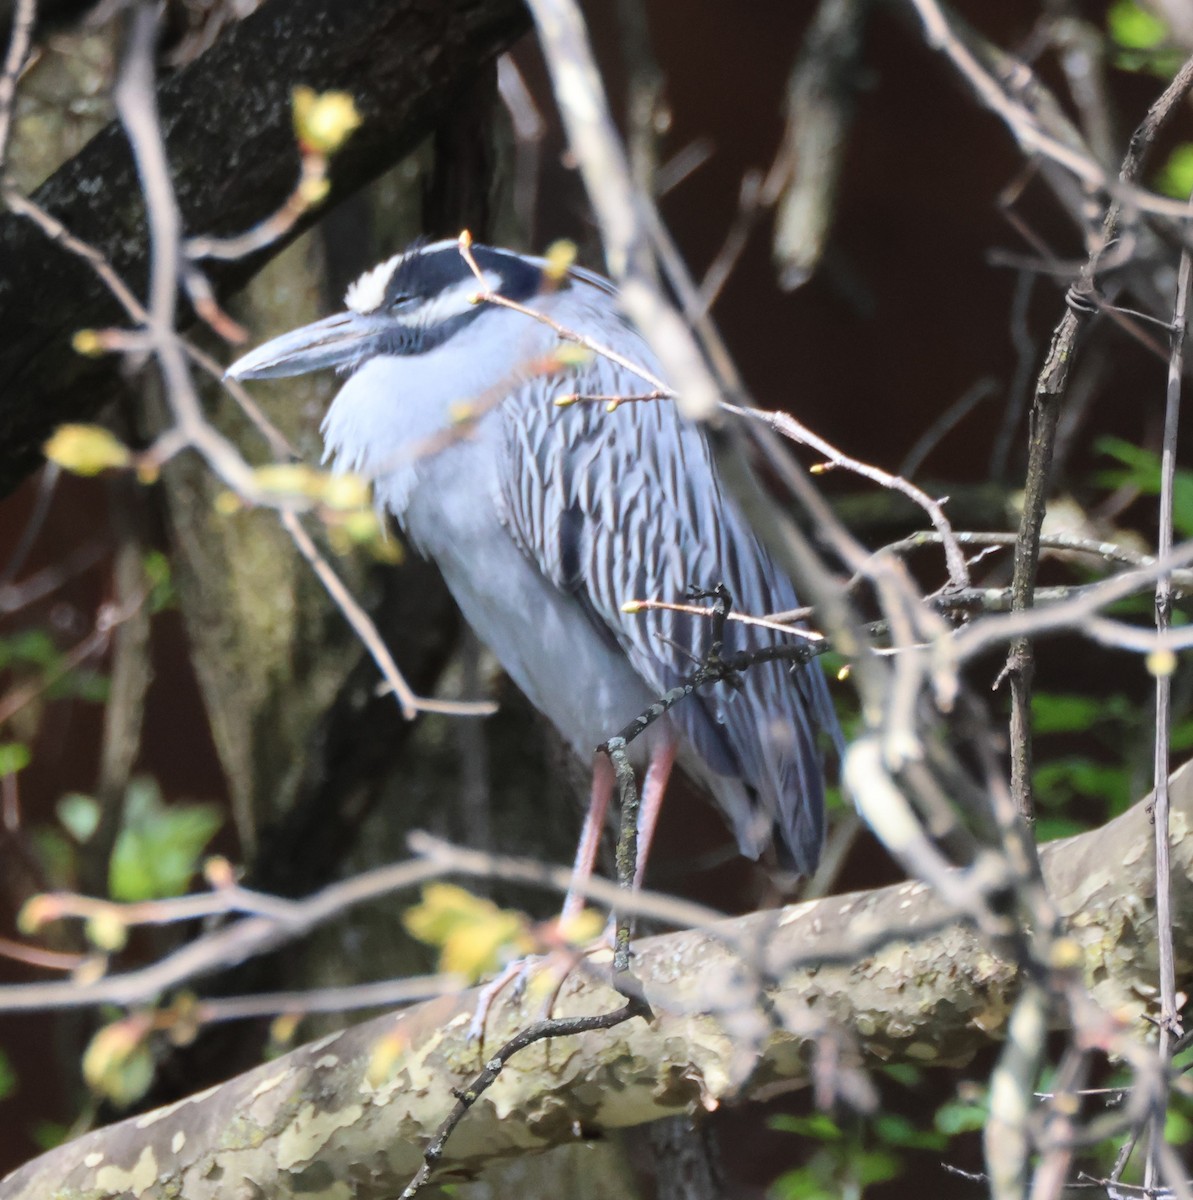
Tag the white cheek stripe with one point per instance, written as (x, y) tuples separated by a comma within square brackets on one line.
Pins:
[(453, 302)]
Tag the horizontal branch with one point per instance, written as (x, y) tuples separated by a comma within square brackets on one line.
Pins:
[(891, 968)]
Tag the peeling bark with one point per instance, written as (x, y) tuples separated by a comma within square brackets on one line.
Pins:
[(893, 968)]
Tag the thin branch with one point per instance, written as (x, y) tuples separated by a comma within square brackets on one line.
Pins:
[(788, 426), (1051, 388), (1170, 1027), (24, 16), (1068, 615), (466, 1098), (1108, 551), (703, 611), (221, 949), (135, 101), (620, 207), (486, 296), (942, 33), (386, 993), (107, 619), (274, 921), (366, 630)]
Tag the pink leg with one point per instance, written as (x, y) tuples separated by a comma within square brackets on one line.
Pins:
[(586, 852), (662, 759), (590, 836)]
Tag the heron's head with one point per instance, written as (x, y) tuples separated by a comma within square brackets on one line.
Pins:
[(407, 305)]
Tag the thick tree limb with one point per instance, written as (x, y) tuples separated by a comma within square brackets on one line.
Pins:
[(227, 125), (892, 969)]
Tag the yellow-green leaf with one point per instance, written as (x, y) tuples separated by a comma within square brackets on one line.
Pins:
[(347, 491), (560, 256), (86, 449), (1176, 175), (1134, 27), (106, 931), (323, 121), (118, 1063), (473, 935)]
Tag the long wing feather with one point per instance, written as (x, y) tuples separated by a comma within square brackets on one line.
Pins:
[(628, 505)]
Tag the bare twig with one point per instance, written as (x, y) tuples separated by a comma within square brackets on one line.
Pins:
[(24, 15), (366, 630), (387, 993), (486, 296), (944, 425), (268, 231), (1169, 1022), (274, 921), (619, 205), (654, 906), (551, 1028), (942, 34), (107, 619), (135, 97), (1070, 615), (1051, 387), (212, 952), (46, 484), (697, 610), (1107, 551), (788, 426)]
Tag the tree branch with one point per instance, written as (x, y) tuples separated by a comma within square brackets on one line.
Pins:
[(740, 1012), (233, 159)]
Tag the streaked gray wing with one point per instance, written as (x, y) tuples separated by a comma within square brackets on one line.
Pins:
[(627, 505)]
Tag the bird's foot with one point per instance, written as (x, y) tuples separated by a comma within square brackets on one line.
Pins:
[(515, 973), (542, 975)]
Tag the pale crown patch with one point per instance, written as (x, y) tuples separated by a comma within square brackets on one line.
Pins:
[(366, 294)]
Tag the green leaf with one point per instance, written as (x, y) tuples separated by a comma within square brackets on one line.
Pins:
[(803, 1184), (158, 851), (1056, 712), (960, 1116), (58, 857), (1133, 27), (14, 757), (1175, 177), (1181, 738), (161, 581), (8, 1077), (83, 683), (1049, 829), (79, 815), (48, 1134), (907, 1074), (33, 646), (1074, 778), (817, 1126), (118, 1062), (876, 1166), (895, 1130), (474, 935), (1142, 470), (1178, 1129)]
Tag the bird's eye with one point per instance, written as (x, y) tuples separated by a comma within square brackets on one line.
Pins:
[(400, 300)]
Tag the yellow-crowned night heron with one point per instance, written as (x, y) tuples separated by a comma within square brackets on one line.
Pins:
[(546, 520)]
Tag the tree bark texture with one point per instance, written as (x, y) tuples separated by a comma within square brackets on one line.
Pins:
[(227, 124), (893, 970)]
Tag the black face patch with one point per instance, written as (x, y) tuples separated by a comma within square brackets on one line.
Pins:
[(409, 340)]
